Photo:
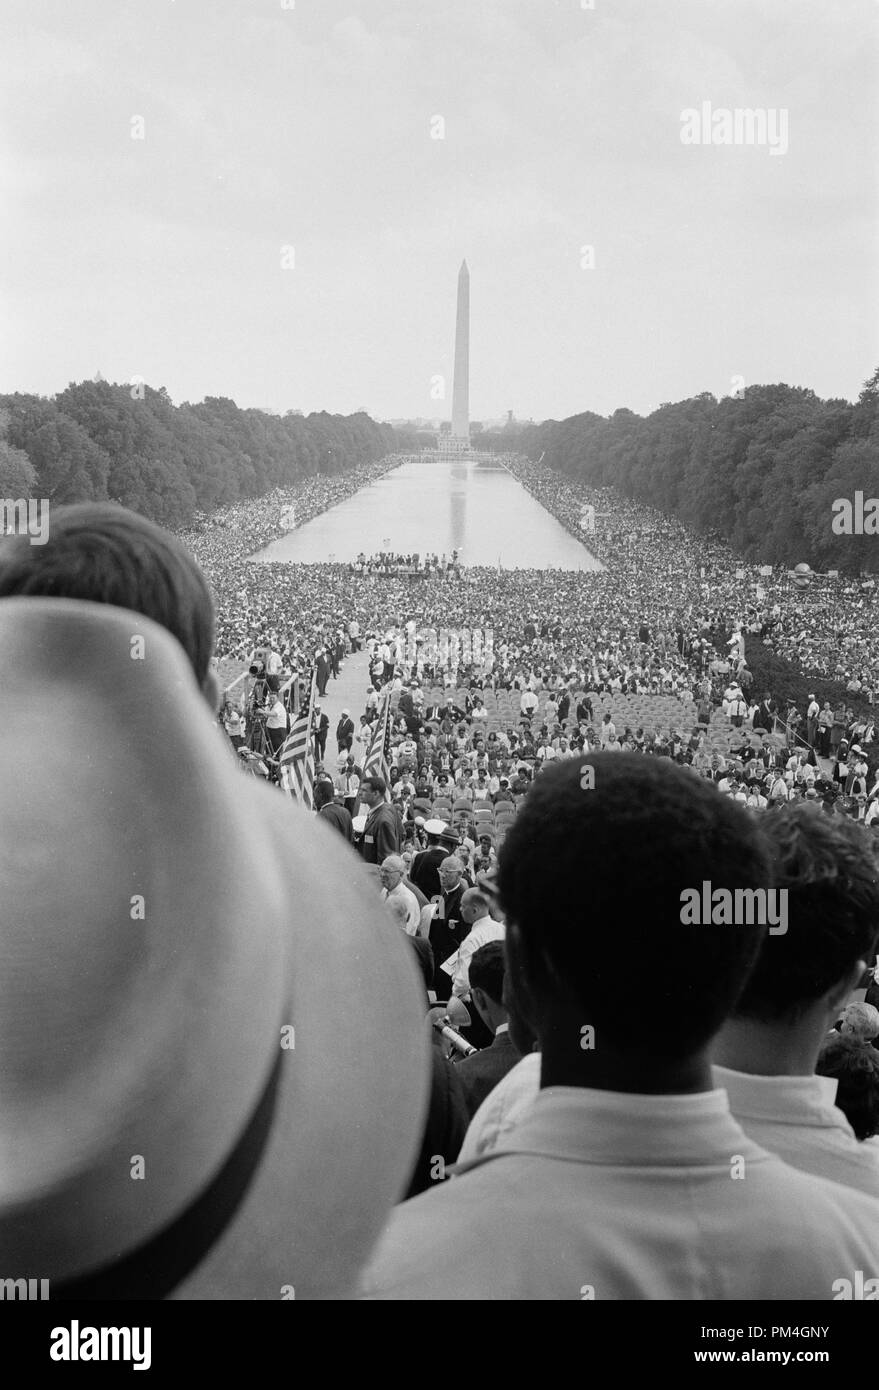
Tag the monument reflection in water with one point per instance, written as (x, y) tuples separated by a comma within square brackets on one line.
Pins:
[(441, 505)]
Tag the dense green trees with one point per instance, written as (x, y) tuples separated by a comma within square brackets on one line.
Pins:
[(131, 444), (18, 477), (762, 468)]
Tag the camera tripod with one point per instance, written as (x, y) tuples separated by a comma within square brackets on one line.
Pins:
[(258, 748)]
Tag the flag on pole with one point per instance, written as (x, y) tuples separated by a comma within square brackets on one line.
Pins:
[(376, 763), (296, 759)]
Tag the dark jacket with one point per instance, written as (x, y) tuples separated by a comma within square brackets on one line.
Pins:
[(480, 1073), (444, 1129), (425, 870), (445, 939), (338, 817), (381, 834)]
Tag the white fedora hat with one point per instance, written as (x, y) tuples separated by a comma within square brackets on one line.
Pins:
[(186, 1109)]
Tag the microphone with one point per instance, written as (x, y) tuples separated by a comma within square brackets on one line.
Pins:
[(444, 1027)]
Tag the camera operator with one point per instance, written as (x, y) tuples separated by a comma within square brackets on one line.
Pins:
[(276, 716), (257, 669)]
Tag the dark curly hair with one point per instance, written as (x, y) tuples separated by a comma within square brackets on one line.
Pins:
[(830, 869), (487, 968), (108, 554), (854, 1063), (593, 881)]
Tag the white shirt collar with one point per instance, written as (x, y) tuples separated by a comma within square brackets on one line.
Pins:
[(791, 1100), (623, 1128)]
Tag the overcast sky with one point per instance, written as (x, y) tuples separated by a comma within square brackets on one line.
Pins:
[(310, 128)]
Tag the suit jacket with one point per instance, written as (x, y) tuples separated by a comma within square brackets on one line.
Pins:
[(339, 817), (445, 940), (444, 1128), (425, 870), (480, 1073), (381, 834)]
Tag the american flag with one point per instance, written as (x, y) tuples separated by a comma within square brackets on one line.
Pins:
[(377, 759), (296, 759)]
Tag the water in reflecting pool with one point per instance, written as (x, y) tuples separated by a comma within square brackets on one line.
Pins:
[(478, 509)]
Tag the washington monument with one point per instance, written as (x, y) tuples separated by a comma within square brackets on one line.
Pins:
[(461, 384)]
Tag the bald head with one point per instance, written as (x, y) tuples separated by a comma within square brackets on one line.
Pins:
[(474, 904), (450, 873), (398, 911)]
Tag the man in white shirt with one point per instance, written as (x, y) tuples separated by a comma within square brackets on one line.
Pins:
[(624, 1179), (276, 721), (394, 892), (766, 1052), (812, 713), (528, 703), (483, 928)]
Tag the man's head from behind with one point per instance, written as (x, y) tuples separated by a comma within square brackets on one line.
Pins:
[(854, 1065), (829, 870), (486, 973), (106, 554), (593, 874)]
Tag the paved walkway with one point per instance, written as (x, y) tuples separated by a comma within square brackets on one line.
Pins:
[(348, 692)]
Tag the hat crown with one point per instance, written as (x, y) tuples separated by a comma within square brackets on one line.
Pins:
[(148, 966)]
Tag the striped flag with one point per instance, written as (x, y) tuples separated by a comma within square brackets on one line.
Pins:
[(296, 759), (377, 761)]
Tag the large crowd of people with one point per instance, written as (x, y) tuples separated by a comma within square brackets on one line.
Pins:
[(657, 575), (571, 764), (643, 643), (392, 562), (825, 624)]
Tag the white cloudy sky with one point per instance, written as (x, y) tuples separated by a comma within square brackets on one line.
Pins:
[(310, 127)]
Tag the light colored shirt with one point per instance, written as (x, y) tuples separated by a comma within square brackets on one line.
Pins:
[(621, 1196), (277, 717), (458, 966), (502, 1108), (234, 724), (413, 912), (797, 1118)]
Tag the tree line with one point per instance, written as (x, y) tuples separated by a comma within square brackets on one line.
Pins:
[(762, 468), (130, 444)]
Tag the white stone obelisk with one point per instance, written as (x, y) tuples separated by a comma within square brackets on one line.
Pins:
[(461, 383)]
